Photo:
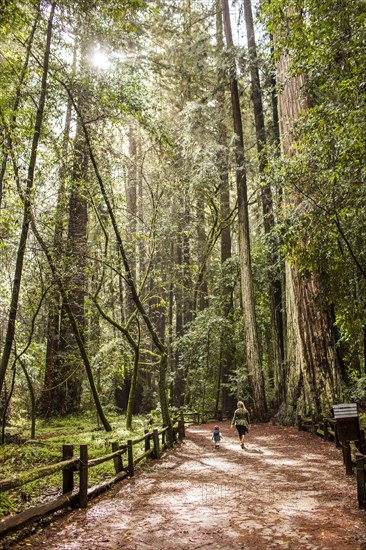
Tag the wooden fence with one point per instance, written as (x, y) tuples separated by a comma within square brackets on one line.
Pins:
[(154, 443), (206, 416), (354, 457)]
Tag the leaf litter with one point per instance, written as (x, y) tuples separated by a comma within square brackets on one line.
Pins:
[(288, 489)]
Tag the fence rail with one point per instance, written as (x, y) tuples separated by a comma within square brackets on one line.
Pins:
[(155, 442), (206, 416), (353, 450)]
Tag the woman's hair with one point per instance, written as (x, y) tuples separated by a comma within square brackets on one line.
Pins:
[(240, 404)]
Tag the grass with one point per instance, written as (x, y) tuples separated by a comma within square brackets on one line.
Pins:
[(46, 449)]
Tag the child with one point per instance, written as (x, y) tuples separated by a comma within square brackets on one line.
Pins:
[(216, 436)]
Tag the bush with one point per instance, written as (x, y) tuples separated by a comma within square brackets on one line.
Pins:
[(357, 391)]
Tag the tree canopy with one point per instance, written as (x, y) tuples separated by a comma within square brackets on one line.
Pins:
[(168, 238)]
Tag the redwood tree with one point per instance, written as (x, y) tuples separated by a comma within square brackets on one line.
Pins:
[(255, 372)]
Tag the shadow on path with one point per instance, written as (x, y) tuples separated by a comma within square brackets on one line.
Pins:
[(287, 489)]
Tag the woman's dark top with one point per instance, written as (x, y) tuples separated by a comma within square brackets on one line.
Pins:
[(241, 417)]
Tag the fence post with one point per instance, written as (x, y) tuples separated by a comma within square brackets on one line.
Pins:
[(131, 470), (118, 464), (347, 457), (326, 427), (181, 429), (147, 440), (182, 432), (362, 442), (67, 473), (361, 480), (156, 443), (298, 422), (336, 438), (313, 423), (83, 476), (170, 436)]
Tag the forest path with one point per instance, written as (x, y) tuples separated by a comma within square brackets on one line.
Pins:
[(287, 490)]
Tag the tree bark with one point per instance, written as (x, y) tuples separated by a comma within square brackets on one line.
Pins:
[(131, 195), (313, 379), (74, 324), (226, 349), (69, 363), (255, 374), (130, 281), (53, 392), (275, 287)]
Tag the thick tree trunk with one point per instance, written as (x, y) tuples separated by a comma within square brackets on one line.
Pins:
[(275, 288), (201, 289), (132, 392), (255, 374), (313, 379), (74, 324), (226, 349), (53, 394), (69, 363), (186, 250), (179, 377), (131, 195), (182, 294), (130, 281)]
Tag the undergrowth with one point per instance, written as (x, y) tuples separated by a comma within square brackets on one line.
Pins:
[(46, 449)]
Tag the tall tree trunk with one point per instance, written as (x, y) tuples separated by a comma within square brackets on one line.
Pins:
[(27, 206), (255, 373), (74, 324), (275, 288), (179, 375), (313, 380), (201, 290), (186, 251), (226, 348), (53, 393), (141, 213), (129, 279), (131, 195), (69, 363)]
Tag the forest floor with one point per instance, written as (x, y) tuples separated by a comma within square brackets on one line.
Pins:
[(288, 489)]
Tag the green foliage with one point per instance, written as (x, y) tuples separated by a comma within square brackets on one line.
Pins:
[(7, 505), (357, 391), (199, 350), (324, 229), (46, 449), (203, 347)]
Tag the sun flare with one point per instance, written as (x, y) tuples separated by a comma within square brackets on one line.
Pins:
[(100, 59)]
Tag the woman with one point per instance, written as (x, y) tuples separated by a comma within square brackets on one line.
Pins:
[(241, 422)]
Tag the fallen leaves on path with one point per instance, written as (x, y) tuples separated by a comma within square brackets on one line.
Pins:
[(288, 489)]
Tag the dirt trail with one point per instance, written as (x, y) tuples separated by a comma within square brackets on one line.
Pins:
[(287, 490)]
